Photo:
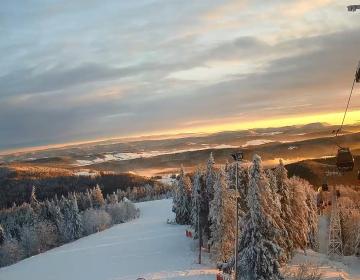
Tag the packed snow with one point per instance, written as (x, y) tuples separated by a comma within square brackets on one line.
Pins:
[(147, 247)]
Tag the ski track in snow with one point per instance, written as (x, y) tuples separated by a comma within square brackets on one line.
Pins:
[(146, 247)]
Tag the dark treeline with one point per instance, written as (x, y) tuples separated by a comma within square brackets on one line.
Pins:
[(17, 189)]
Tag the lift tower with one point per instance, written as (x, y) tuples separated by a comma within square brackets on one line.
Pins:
[(335, 246)]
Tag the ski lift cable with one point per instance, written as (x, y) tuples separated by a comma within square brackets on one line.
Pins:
[(347, 107)]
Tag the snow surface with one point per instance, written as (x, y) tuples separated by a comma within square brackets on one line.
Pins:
[(144, 154), (257, 142), (347, 269), (292, 147), (87, 173), (147, 247)]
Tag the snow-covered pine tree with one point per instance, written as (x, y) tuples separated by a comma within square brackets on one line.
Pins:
[(29, 241), (195, 201), (112, 198), (72, 219), (83, 201), (182, 199), (56, 217), (298, 227), (209, 184), (243, 182), (88, 195), (258, 252), (210, 176), (2, 235), (97, 197), (222, 214), (272, 206), (286, 214), (312, 216), (34, 203), (23, 215)]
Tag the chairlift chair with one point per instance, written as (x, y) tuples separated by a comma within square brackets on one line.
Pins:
[(325, 186), (357, 75), (344, 160)]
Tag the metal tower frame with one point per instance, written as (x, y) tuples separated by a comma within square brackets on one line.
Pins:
[(335, 246)]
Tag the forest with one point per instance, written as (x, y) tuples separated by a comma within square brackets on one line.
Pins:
[(278, 215), (16, 183)]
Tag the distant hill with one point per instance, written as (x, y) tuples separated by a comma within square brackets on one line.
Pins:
[(314, 171), (17, 181)]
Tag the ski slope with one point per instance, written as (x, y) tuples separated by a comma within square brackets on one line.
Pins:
[(146, 247)]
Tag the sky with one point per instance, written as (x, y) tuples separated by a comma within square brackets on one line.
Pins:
[(84, 69)]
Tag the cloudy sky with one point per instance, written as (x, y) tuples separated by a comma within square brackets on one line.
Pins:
[(87, 69)]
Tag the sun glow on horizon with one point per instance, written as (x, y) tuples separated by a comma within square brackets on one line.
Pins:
[(329, 118)]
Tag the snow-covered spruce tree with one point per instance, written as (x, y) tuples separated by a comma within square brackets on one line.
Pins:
[(195, 201), (311, 216), (258, 252), (210, 176), (272, 206), (22, 215), (222, 214), (84, 201), (112, 198), (209, 183), (298, 223), (350, 225), (34, 203), (286, 214), (72, 219), (97, 197), (55, 216), (182, 199), (243, 182), (29, 241), (2, 235)]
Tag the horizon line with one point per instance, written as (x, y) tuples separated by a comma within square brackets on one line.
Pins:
[(325, 119)]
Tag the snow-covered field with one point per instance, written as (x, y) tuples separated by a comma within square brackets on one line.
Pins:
[(146, 247), (146, 154)]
